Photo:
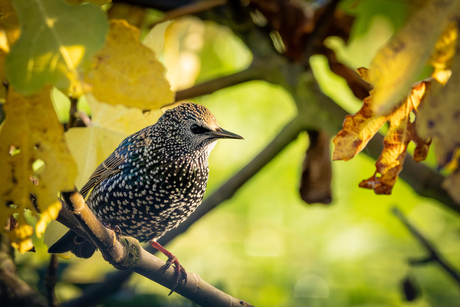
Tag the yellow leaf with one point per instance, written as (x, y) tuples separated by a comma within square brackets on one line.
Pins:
[(32, 132), (397, 64), (127, 72), (400, 133), (111, 124), (155, 39)]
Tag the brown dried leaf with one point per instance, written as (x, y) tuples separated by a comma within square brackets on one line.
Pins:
[(358, 129), (400, 133), (383, 183), (315, 183), (361, 127)]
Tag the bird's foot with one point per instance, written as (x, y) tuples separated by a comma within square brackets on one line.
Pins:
[(179, 270)]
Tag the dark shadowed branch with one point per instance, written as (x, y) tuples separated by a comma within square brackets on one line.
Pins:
[(433, 253), (125, 253), (13, 290)]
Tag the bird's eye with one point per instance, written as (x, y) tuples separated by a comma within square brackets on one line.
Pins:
[(198, 129)]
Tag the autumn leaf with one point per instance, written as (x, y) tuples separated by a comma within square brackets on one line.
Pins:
[(109, 126), (56, 38), (358, 129), (127, 72), (397, 64), (32, 133), (400, 133)]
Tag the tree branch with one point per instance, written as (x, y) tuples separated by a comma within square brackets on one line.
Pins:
[(433, 253), (125, 253), (205, 88), (13, 290), (224, 192)]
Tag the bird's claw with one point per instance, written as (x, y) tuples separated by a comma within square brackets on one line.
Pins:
[(179, 272)]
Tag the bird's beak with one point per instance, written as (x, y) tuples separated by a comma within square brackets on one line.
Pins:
[(220, 133)]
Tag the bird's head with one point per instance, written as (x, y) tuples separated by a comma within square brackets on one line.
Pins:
[(192, 127)]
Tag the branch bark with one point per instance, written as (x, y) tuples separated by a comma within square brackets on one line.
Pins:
[(125, 253)]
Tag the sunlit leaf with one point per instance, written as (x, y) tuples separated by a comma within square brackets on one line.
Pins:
[(127, 72), (110, 125), (394, 67), (32, 132), (361, 127), (400, 133), (56, 38), (155, 39)]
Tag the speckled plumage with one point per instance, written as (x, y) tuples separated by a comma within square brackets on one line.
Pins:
[(162, 178), (156, 177)]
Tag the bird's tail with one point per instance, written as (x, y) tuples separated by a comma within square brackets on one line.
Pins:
[(79, 246)]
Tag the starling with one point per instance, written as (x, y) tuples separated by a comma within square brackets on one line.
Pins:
[(153, 181)]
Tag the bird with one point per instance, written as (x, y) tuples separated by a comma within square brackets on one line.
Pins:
[(152, 181)]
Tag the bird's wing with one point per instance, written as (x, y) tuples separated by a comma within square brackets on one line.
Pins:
[(106, 169)]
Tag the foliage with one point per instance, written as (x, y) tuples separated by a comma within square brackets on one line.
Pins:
[(391, 73), (264, 230), (63, 52)]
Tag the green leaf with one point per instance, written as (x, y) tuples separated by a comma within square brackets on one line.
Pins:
[(56, 38)]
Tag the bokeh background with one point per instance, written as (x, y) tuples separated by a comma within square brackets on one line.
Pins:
[(265, 245)]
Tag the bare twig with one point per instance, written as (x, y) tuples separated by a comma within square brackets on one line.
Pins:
[(125, 253), (433, 253)]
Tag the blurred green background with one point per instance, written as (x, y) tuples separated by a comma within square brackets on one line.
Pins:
[(265, 245)]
